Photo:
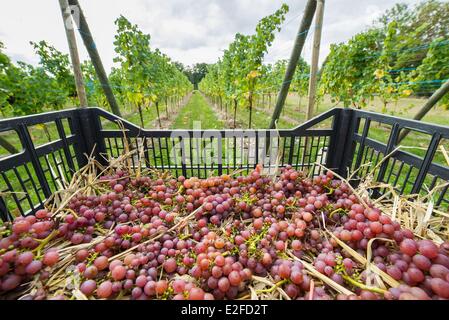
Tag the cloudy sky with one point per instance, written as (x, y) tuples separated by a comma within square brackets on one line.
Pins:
[(189, 31)]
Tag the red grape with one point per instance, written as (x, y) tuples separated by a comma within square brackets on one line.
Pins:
[(118, 273), (170, 265), (161, 286), (428, 249), (234, 278), (440, 287), (408, 247), (34, 267), (88, 287), (21, 226), (223, 284), (25, 258), (105, 290), (10, 282), (50, 258), (439, 271), (178, 286), (196, 294), (422, 262), (296, 277)]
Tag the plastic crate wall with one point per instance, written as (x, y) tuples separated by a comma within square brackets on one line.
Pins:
[(344, 140)]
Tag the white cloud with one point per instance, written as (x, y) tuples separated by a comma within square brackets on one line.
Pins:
[(189, 31)]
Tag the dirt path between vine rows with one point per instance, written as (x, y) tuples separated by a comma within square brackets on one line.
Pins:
[(230, 122), (221, 115), (173, 114)]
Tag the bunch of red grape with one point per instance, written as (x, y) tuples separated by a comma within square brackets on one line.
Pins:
[(157, 237), (23, 252)]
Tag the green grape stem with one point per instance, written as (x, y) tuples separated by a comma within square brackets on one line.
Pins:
[(362, 286), (44, 242)]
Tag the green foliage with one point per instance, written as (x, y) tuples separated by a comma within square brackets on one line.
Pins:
[(348, 73), (432, 13), (300, 83), (134, 56), (35, 91), (196, 73), (95, 94), (237, 75), (389, 86), (434, 66), (25, 89), (389, 60), (145, 76), (5, 83), (417, 27), (57, 65)]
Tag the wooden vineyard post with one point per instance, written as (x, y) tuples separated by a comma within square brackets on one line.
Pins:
[(296, 53), (73, 48), (315, 59), (91, 47), (314, 73)]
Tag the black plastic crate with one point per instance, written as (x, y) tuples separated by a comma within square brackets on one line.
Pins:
[(343, 140)]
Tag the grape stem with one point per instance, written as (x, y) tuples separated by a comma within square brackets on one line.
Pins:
[(274, 287), (336, 211), (362, 286), (44, 242)]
